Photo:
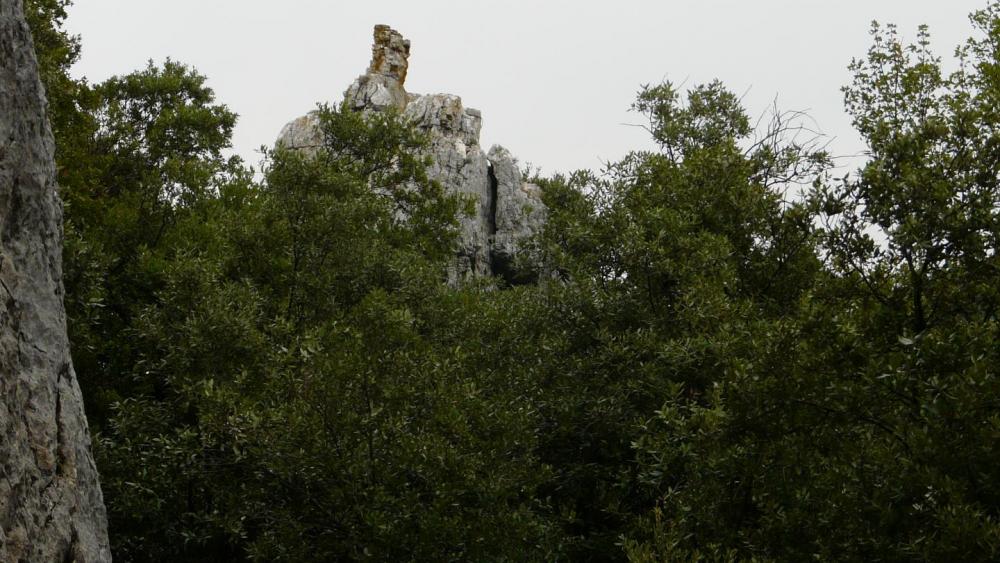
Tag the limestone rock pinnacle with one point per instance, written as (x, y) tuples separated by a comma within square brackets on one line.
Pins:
[(390, 54), (382, 85), (507, 211)]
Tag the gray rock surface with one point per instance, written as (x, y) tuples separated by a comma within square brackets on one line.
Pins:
[(507, 210), (51, 509), (462, 168), (382, 85), (303, 133), (519, 213)]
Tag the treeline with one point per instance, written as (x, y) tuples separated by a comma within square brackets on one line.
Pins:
[(731, 354)]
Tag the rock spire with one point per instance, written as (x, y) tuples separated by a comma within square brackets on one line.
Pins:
[(508, 210)]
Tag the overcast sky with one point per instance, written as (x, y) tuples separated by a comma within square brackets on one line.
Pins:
[(553, 78)]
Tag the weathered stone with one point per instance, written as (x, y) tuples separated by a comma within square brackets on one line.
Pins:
[(519, 213), (382, 85), (303, 133), (51, 507), (444, 115), (506, 209)]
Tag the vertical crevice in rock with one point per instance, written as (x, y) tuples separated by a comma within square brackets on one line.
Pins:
[(51, 506), (491, 195), (496, 264)]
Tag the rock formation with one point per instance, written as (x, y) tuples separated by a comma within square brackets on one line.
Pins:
[(508, 210), (51, 507)]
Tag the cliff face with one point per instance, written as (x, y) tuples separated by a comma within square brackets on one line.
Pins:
[(508, 210), (51, 507)]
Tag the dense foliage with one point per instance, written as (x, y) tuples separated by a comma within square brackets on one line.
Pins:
[(730, 353)]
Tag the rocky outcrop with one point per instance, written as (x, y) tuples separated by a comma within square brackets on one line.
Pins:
[(519, 214), (50, 502), (507, 210)]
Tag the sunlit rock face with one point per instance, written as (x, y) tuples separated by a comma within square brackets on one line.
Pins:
[(507, 209), (51, 507)]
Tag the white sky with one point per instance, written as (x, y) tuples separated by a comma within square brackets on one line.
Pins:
[(553, 78)]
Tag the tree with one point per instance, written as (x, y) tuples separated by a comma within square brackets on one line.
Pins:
[(320, 400), (153, 158), (672, 263), (143, 180), (914, 238), (855, 427)]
